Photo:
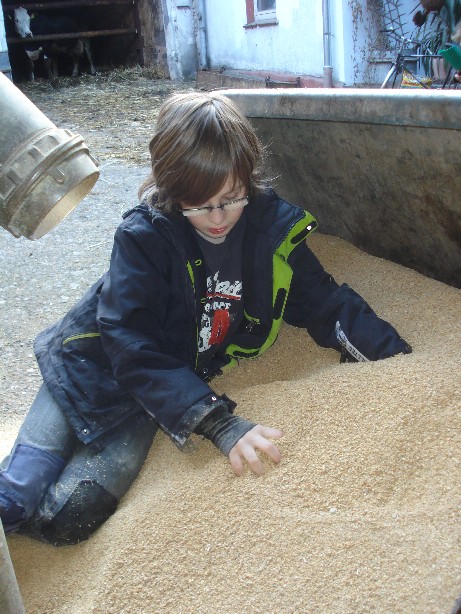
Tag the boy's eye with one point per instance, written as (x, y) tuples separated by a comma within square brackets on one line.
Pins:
[(224, 201), (228, 198)]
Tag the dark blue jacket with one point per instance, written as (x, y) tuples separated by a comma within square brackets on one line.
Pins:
[(131, 341)]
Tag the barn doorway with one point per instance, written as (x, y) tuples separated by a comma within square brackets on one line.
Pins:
[(121, 33)]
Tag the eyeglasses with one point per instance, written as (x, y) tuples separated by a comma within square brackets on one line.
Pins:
[(231, 205)]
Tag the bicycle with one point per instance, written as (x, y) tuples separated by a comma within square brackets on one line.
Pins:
[(400, 69)]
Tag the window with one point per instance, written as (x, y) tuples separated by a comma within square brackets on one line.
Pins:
[(264, 11), (260, 13), (265, 5)]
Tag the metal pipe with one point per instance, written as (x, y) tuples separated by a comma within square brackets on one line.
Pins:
[(44, 171), (327, 66), (10, 597)]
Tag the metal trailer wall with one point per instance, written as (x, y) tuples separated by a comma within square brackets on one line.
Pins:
[(380, 169)]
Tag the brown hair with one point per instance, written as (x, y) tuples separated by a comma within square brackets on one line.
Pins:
[(201, 139)]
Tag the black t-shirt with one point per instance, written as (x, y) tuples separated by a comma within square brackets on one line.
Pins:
[(223, 301), (221, 315)]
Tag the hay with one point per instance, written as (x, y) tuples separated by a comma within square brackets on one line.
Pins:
[(114, 111)]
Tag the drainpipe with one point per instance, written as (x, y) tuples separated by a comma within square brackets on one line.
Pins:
[(327, 67), (198, 7)]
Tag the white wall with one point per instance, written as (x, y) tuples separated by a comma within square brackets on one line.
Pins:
[(355, 29), (3, 46), (295, 45), (4, 61), (356, 26)]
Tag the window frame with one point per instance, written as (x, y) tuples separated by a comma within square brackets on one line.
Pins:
[(257, 18), (269, 15)]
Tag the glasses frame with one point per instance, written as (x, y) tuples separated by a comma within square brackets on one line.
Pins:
[(227, 206)]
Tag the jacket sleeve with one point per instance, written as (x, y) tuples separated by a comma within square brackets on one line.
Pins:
[(336, 316), (132, 316)]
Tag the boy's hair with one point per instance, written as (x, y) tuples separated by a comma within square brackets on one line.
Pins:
[(200, 140)]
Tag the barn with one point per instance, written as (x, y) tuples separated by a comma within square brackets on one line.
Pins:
[(220, 44), (120, 32), (239, 43)]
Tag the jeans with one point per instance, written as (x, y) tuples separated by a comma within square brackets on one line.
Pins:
[(57, 489)]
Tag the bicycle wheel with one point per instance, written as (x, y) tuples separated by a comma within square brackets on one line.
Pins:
[(392, 79)]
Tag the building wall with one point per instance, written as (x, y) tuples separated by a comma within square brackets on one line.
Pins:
[(355, 27), (293, 46), (382, 49), (4, 60)]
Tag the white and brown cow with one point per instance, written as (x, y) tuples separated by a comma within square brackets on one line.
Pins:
[(37, 24)]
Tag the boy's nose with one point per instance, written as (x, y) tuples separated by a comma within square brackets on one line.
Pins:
[(217, 215)]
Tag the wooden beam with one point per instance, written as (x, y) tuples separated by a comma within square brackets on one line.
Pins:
[(42, 6), (76, 35)]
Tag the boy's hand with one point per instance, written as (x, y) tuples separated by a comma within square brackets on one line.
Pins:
[(246, 447)]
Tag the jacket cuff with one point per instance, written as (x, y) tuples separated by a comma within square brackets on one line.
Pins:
[(197, 413), (223, 429)]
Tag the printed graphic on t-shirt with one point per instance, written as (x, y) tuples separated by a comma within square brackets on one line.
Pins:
[(219, 310)]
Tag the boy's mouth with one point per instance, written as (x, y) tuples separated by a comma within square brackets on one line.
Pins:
[(217, 231)]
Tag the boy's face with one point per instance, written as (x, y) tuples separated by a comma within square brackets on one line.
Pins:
[(218, 223)]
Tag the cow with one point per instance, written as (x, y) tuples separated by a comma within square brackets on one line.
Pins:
[(28, 26)]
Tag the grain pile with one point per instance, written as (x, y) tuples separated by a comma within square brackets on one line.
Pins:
[(361, 516)]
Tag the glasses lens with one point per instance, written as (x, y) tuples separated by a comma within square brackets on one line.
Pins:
[(234, 205), (195, 212)]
